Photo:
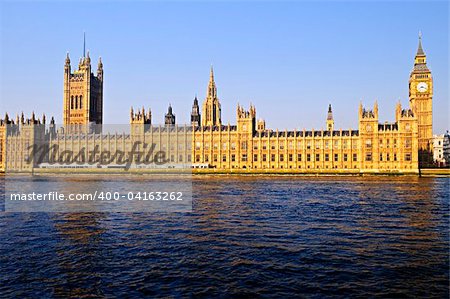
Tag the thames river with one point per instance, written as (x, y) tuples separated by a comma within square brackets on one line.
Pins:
[(253, 236)]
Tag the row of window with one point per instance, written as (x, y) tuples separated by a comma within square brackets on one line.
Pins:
[(309, 144), (137, 159), (387, 157), (298, 158), (408, 143), (281, 145), (281, 158), (113, 147), (76, 102)]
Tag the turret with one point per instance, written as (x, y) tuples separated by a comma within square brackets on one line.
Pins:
[(88, 59), (195, 114), (246, 119), (330, 120), (140, 117), (169, 119), (368, 114), (100, 69), (67, 59), (67, 67), (83, 95), (261, 125), (52, 127), (398, 111), (375, 108)]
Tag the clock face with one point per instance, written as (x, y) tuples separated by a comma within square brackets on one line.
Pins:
[(422, 87)]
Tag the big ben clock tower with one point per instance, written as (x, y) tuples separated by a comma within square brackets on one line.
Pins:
[(420, 98)]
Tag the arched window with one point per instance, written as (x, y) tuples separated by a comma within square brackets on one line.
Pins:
[(71, 102), (81, 102), (76, 102)]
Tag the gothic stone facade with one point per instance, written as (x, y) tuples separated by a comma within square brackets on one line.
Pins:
[(208, 143), (83, 94)]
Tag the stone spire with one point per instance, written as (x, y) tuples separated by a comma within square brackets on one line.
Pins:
[(212, 90), (330, 120), (211, 110), (420, 51), (67, 59), (420, 61)]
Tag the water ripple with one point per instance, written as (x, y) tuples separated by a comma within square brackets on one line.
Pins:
[(246, 237)]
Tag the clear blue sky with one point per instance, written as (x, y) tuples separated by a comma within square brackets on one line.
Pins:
[(290, 59)]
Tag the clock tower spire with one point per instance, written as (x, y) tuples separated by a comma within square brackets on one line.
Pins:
[(420, 99)]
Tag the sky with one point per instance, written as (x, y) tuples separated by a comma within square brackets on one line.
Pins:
[(290, 59)]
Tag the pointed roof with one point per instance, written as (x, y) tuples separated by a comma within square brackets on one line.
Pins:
[(420, 51), (420, 65), (212, 90), (67, 58), (330, 113)]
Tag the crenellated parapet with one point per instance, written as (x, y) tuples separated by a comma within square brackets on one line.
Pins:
[(22, 121), (242, 113), (368, 113), (246, 119), (141, 117), (17, 126)]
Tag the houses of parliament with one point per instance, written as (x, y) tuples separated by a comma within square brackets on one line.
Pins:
[(207, 143)]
